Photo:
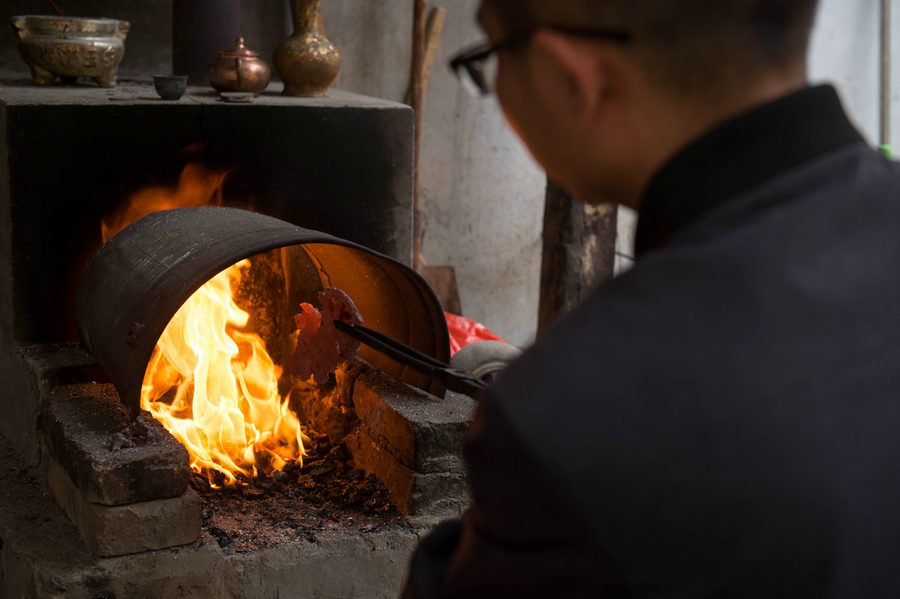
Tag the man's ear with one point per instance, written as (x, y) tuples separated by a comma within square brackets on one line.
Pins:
[(571, 75)]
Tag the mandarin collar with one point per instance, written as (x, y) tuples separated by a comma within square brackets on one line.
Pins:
[(738, 155)]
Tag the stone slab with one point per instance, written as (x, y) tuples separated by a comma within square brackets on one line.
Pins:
[(82, 425), (29, 372), (125, 529), (57, 364), (139, 91), (421, 431), (434, 496), (371, 457), (43, 556), (440, 495)]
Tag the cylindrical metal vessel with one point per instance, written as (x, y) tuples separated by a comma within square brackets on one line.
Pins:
[(143, 275)]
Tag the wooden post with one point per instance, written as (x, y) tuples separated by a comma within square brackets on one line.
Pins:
[(579, 251), (417, 92)]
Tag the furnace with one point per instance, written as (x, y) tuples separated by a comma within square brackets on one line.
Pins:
[(313, 194)]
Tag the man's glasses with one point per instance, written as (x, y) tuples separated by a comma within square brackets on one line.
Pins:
[(476, 67)]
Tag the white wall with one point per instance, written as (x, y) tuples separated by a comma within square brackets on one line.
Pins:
[(846, 51), (482, 196)]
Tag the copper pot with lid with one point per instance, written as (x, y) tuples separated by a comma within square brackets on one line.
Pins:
[(238, 70)]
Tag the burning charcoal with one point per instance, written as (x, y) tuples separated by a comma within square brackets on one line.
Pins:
[(338, 454), (223, 538), (218, 478), (199, 483), (321, 470), (321, 348), (252, 492), (263, 461)]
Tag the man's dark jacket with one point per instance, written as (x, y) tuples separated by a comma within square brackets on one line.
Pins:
[(724, 419)]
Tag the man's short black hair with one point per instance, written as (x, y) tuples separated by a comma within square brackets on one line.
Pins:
[(696, 47)]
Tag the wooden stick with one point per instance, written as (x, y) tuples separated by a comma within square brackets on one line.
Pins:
[(417, 89), (432, 40), (434, 29)]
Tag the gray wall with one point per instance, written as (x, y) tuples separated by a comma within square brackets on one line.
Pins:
[(482, 196)]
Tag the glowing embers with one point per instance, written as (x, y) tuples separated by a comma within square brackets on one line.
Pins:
[(215, 388)]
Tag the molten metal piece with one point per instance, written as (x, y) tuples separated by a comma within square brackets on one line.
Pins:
[(321, 348)]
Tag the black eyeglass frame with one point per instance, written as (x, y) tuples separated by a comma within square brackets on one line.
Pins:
[(469, 58)]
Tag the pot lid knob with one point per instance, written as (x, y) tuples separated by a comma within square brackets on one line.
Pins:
[(240, 50)]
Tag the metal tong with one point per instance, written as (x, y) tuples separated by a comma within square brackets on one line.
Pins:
[(452, 379)]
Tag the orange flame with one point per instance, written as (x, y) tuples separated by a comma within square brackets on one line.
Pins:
[(211, 384), (197, 186), (226, 408)]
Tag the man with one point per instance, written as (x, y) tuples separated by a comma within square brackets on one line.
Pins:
[(724, 419)]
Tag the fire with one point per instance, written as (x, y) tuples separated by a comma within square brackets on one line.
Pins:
[(215, 388), (209, 382), (197, 186)]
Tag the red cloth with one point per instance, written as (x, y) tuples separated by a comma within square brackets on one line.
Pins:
[(464, 331)]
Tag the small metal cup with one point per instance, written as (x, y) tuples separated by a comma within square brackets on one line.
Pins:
[(170, 87)]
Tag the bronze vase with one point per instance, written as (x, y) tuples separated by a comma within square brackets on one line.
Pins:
[(306, 61)]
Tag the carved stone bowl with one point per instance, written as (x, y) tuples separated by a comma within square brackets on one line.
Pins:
[(71, 47)]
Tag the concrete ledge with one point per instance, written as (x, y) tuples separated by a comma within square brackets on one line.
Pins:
[(439, 495), (80, 424), (44, 557), (124, 529), (372, 565)]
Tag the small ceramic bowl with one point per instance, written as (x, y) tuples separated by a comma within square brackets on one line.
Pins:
[(170, 87)]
